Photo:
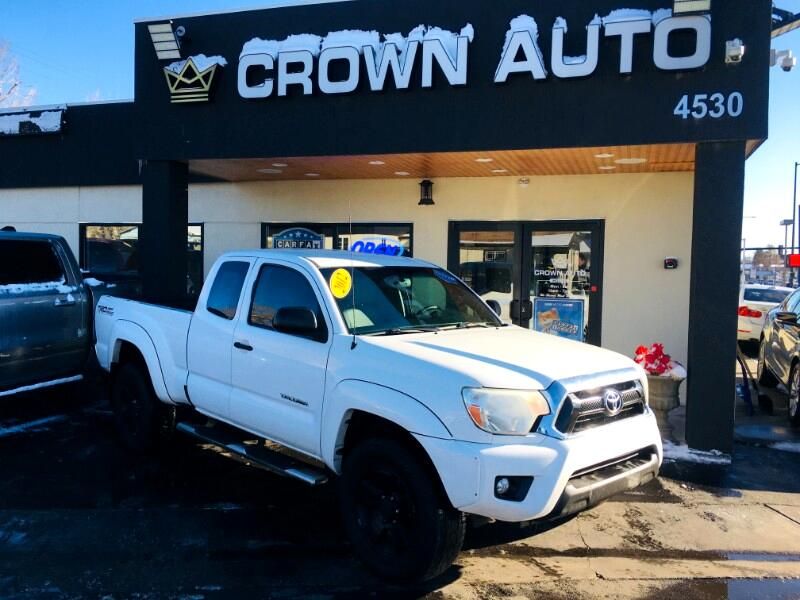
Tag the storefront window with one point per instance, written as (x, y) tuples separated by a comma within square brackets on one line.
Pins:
[(110, 252), (394, 239)]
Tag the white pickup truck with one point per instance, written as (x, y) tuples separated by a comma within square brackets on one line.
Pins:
[(391, 375)]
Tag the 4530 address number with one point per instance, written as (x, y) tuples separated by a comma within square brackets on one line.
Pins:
[(716, 106)]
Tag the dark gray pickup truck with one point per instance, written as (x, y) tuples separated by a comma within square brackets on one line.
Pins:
[(45, 313)]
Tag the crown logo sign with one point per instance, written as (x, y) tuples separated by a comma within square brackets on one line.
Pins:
[(189, 84)]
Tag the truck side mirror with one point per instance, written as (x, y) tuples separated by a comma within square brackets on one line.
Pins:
[(788, 318), (295, 320), (495, 306)]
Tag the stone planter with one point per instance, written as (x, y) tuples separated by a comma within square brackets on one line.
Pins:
[(664, 397)]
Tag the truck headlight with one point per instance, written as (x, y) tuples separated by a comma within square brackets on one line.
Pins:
[(505, 412)]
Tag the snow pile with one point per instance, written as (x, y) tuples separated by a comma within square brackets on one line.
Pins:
[(674, 452), (201, 61), (351, 37), (678, 371), (632, 14), (37, 425), (357, 38), (22, 288), (48, 122), (786, 446), (529, 24)]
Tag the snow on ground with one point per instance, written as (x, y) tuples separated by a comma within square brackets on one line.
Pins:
[(37, 425), (681, 453), (39, 386), (786, 446)]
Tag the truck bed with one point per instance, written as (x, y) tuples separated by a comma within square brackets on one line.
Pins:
[(162, 329)]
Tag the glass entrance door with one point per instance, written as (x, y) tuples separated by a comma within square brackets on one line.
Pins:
[(546, 276), (487, 257), (565, 279)]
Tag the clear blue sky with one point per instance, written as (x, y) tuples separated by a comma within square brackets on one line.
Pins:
[(78, 50)]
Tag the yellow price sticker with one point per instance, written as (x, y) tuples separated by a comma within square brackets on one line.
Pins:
[(340, 283)]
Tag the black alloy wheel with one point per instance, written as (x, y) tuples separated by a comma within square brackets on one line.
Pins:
[(140, 418), (400, 525)]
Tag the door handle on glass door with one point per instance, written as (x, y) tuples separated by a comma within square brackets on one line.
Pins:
[(243, 346)]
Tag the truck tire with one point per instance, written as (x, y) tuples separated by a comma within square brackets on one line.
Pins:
[(141, 420), (395, 514)]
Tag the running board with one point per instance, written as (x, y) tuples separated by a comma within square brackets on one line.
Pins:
[(253, 451)]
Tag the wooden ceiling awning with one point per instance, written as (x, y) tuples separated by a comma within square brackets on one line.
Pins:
[(520, 163)]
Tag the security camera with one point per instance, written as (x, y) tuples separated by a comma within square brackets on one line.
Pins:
[(180, 31), (782, 58), (734, 51)]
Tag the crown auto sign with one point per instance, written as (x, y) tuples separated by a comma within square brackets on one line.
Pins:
[(337, 62)]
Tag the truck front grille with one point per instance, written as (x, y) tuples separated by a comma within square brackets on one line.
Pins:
[(586, 409)]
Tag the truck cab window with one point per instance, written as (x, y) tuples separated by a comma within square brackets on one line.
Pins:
[(282, 287), (25, 261), (224, 295)]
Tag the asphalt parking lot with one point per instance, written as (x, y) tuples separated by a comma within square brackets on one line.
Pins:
[(81, 518)]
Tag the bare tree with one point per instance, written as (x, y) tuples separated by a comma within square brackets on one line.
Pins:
[(12, 92)]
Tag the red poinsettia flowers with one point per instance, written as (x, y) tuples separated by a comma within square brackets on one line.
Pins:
[(654, 360)]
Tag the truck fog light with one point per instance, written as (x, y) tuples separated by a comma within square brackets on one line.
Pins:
[(512, 488), (502, 485)]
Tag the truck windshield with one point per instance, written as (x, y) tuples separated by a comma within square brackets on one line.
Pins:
[(397, 300)]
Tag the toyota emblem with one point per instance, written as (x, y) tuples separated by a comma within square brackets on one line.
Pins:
[(612, 402)]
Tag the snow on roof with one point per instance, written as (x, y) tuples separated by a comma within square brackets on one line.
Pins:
[(48, 121)]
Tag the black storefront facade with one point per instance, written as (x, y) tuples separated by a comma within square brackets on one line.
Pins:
[(544, 129)]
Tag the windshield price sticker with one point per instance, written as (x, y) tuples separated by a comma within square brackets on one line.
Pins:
[(716, 106), (340, 283)]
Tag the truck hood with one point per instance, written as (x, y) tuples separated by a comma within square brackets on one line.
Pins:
[(510, 357)]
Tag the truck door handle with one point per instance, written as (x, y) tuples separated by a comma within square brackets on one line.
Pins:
[(64, 302), (242, 346)]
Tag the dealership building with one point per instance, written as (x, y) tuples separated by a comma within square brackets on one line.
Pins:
[(580, 158)]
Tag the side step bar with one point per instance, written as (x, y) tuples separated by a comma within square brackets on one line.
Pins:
[(253, 451)]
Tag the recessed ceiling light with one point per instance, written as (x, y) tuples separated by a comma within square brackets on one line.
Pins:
[(604, 155), (312, 174), (484, 160), (401, 173), (630, 161), (279, 165), (270, 171), (499, 170), (607, 168), (377, 162)]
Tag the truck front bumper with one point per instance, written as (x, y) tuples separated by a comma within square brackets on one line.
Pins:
[(568, 475)]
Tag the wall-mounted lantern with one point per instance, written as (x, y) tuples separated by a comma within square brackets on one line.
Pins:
[(426, 193)]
